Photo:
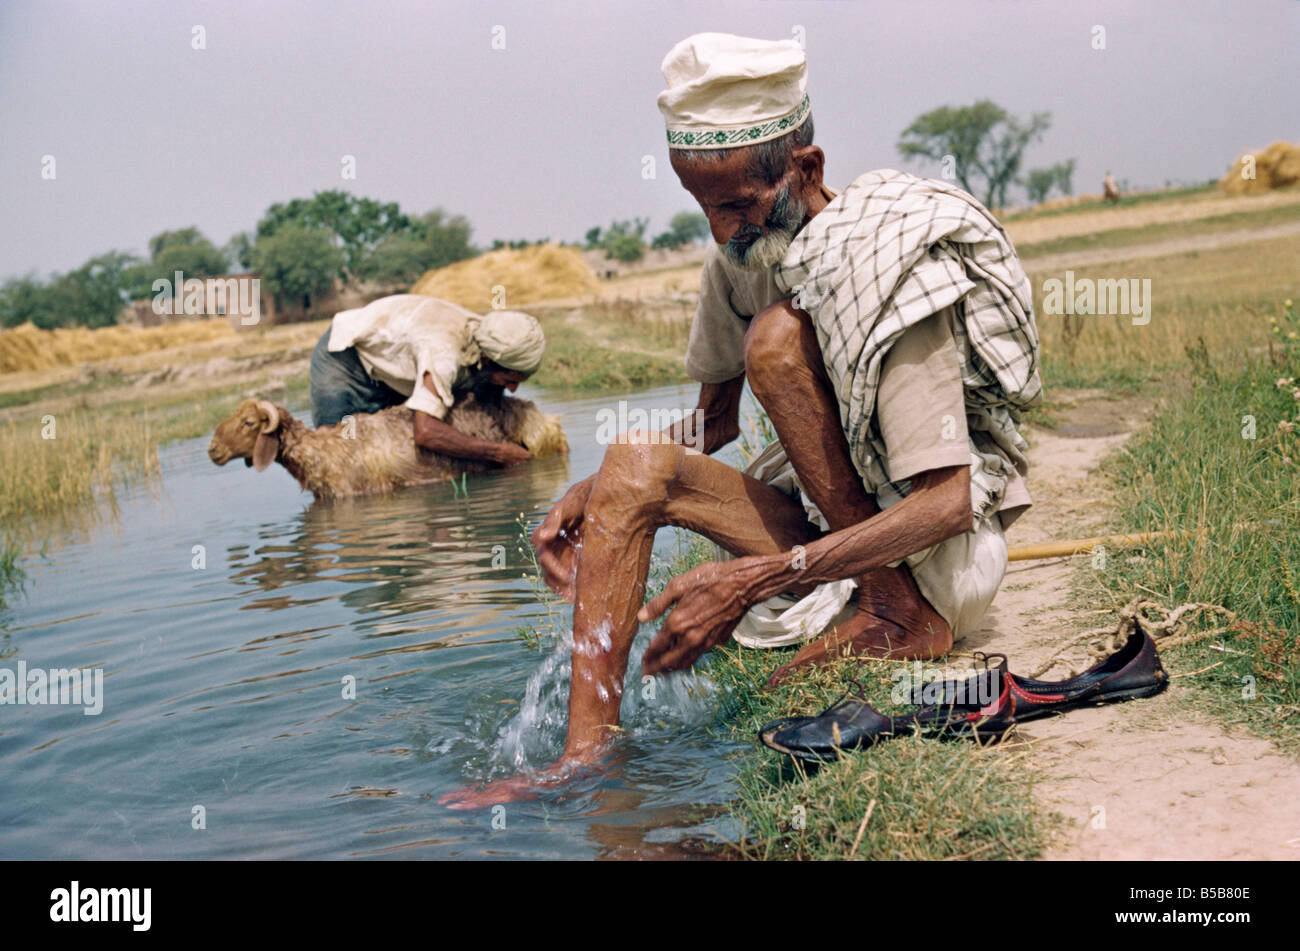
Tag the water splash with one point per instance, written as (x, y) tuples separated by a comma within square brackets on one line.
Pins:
[(534, 736)]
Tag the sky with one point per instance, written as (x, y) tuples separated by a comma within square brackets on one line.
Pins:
[(549, 135)]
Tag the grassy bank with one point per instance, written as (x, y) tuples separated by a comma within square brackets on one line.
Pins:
[(921, 798), (909, 798), (1214, 301), (59, 465), (1222, 462), (622, 345)]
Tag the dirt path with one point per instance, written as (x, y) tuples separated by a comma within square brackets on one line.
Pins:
[(1149, 779), (1201, 242), (1206, 205)]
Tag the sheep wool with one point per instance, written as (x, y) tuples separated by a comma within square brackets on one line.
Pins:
[(375, 452)]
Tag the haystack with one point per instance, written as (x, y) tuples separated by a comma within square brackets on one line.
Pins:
[(27, 347), (527, 275), (1275, 167)]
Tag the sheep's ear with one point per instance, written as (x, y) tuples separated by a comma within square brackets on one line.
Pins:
[(272, 414), (265, 450)]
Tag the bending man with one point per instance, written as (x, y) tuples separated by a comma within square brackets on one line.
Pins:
[(424, 353)]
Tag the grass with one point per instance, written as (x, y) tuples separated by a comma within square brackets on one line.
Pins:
[(618, 346), (928, 798), (1216, 299), (11, 573), (61, 464), (1200, 466)]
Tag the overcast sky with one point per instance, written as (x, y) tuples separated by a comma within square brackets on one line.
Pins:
[(547, 137)]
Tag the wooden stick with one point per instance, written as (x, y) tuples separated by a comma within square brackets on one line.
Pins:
[(1080, 545)]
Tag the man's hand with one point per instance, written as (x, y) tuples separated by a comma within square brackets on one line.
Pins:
[(558, 539), (709, 602), (508, 454)]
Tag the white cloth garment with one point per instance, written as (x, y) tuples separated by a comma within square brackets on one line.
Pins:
[(401, 337), (959, 576), (512, 338), (729, 91), (885, 254)]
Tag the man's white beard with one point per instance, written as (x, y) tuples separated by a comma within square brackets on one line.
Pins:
[(783, 223), (763, 253)]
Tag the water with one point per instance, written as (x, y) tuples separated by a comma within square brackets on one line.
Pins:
[(224, 686)]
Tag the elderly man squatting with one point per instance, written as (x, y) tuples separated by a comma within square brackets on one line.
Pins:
[(887, 332)]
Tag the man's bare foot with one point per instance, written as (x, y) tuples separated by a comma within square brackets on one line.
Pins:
[(894, 621)]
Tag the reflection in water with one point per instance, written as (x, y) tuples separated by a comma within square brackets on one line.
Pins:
[(418, 550)]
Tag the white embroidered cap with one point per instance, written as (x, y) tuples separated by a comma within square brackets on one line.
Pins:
[(727, 91)]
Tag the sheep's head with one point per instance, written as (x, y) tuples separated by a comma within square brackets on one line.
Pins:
[(250, 433)]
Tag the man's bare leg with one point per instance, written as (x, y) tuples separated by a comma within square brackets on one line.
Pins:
[(784, 364), (641, 488)]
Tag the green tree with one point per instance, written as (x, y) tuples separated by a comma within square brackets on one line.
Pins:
[(297, 262), (90, 296), (1038, 183), (446, 236), (239, 249), (1064, 172), (24, 300), (434, 240), (689, 226), (981, 144), (353, 225), (625, 247)]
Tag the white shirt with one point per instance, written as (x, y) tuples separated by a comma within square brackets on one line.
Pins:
[(402, 337)]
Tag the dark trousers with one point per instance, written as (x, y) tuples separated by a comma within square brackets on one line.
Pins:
[(340, 386)]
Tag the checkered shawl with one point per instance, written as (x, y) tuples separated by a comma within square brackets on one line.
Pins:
[(886, 253)]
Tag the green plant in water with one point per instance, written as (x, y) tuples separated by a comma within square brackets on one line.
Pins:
[(537, 636)]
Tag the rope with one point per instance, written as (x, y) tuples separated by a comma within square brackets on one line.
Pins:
[(1168, 628)]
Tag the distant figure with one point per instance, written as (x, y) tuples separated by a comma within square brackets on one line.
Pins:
[(1110, 189)]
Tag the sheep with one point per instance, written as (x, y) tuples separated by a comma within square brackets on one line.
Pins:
[(375, 452)]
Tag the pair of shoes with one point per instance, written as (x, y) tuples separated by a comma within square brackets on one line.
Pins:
[(851, 723)]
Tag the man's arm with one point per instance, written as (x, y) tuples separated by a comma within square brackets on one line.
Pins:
[(937, 508), (436, 436), (433, 434)]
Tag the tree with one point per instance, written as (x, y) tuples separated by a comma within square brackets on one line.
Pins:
[(628, 237), (1065, 176), (238, 250), (23, 300), (689, 226), (185, 250), (446, 236), (353, 225), (434, 240), (1039, 182), (684, 228), (981, 144), (625, 247), (297, 262)]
